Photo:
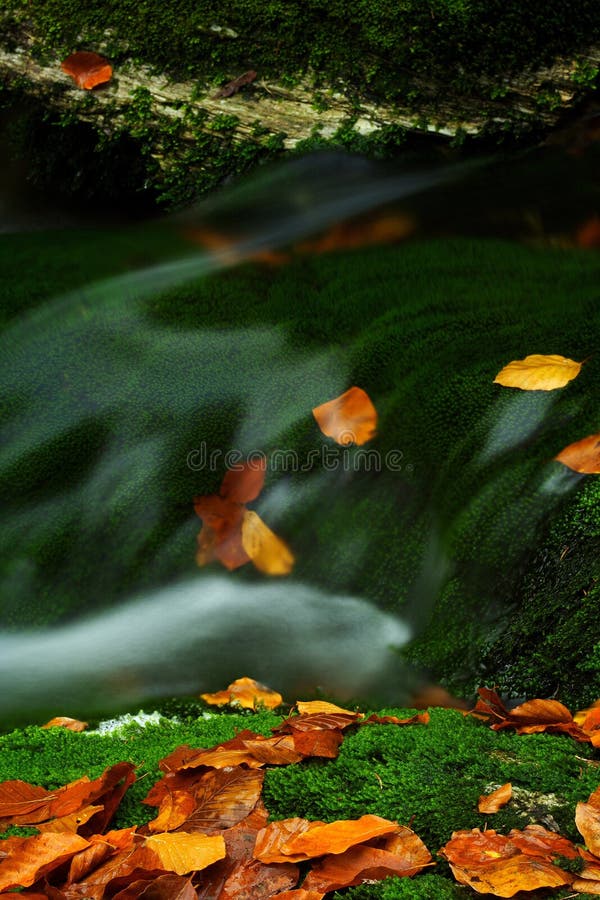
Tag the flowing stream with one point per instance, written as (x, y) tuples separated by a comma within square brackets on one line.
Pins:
[(115, 393)]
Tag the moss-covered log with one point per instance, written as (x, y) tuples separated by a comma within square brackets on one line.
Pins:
[(361, 75)]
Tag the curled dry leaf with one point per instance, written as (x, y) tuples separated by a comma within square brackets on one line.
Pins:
[(29, 859), (298, 840), (245, 692), (66, 722), (587, 819), (531, 717), (491, 803), (87, 69), (583, 456), (350, 418), (491, 863), (402, 854), (539, 372)]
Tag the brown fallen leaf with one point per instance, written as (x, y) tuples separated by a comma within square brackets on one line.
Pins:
[(223, 798), (402, 854), (163, 887), (73, 822), (300, 894), (247, 693), (539, 372), (318, 742), (311, 707), (232, 87), (491, 863), (298, 840), (587, 819), (583, 456), (418, 719), (531, 717), (29, 859), (87, 69), (66, 722), (350, 418), (319, 721), (491, 803)]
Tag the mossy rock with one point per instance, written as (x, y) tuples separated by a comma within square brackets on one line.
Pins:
[(475, 535), (426, 776)]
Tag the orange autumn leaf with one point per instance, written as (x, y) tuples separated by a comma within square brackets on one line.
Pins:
[(300, 894), (268, 552), (297, 840), (350, 418), (531, 717), (583, 456), (144, 884), (245, 481), (66, 722), (582, 714), (583, 886), (247, 693), (235, 535), (311, 707), (539, 372), (87, 69), (418, 719), (318, 742), (587, 819), (175, 808), (279, 750), (491, 803), (403, 854), (72, 822), (491, 863), (29, 859)]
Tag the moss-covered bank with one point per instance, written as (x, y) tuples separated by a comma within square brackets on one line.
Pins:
[(477, 515), (427, 776), (358, 75)]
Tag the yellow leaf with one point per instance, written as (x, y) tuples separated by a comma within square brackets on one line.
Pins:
[(268, 552), (182, 853), (539, 372), (310, 707)]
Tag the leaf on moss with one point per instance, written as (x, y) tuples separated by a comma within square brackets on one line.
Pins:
[(531, 717), (401, 854), (298, 840), (350, 418), (181, 852), (583, 456), (247, 693), (587, 819), (66, 722), (87, 69), (29, 859), (539, 372), (491, 803), (491, 863)]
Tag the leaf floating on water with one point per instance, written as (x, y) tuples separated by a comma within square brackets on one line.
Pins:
[(539, 372), (491, 803), (583, 456), (268, 552), (87, 69), (245, 692), (350, 418)]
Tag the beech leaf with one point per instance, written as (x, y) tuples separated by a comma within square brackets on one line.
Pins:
[(182, 853), (491, 803), (268, 552), (66, 722), (87, 69), (31, 858), (583, 456), (350, 418), (247, 693), (538, 372)]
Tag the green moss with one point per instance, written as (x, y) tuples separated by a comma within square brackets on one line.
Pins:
[(422, 887), (471, 518)]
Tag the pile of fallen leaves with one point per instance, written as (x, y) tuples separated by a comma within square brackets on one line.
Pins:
[(211, 839)]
